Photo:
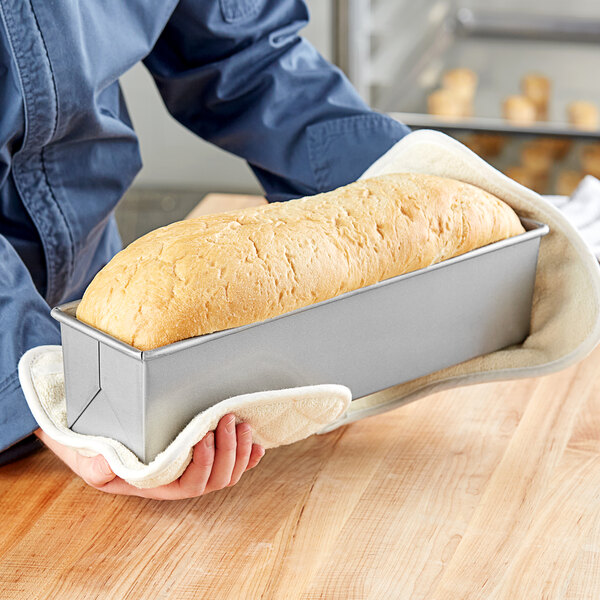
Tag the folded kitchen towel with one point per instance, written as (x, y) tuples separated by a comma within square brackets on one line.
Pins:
[(276, 417)]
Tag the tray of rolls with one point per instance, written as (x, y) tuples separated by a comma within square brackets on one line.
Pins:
[(370, 285)]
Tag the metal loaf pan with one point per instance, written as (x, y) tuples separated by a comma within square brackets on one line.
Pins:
[(367, 339)]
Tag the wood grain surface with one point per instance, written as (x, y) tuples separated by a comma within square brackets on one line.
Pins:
[(489, 491), (214, 203), (484, 492)]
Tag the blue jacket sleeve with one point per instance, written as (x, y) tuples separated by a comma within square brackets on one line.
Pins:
[(26, 323), (237, 74)]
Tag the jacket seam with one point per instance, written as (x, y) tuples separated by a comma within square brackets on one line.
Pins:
[(7, 381), (43, 149), (60, 209), (25, 80), (23, 76), (32, 151), (37, 24), (236, 11)]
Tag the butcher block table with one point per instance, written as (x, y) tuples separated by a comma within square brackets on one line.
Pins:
[(489, 491)]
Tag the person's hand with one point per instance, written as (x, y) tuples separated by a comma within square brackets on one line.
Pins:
[(219, 460)]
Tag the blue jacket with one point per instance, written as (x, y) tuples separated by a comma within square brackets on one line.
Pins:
[(235, 72)]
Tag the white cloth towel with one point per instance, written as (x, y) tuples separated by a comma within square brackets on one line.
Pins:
[(277, 417), (582, 210)]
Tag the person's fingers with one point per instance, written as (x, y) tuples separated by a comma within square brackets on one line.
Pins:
[(192, 482), (122, 488), (243, 450), (194, 479), (170, 491), (94, 471), (63, 452), (257, 453), (225, 450), (216, 463)]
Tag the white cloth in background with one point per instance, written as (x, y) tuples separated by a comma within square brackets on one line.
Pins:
[(582, 210)]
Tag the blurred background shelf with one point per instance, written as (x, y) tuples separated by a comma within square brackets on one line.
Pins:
[(397, 53), (493, 125), (528, 26)]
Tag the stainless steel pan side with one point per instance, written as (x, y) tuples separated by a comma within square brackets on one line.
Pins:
[(368, 339)]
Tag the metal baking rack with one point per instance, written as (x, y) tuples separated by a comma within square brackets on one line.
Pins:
[(396, 51), (493, 125)]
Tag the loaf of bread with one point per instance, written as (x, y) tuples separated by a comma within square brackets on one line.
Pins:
[(226, 270)]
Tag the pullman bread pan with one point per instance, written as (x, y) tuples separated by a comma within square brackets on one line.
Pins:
[(367, 339)]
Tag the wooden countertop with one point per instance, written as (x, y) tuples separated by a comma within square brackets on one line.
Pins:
[(488, 491)]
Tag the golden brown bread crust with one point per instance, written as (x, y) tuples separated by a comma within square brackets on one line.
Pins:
[(226, 270)]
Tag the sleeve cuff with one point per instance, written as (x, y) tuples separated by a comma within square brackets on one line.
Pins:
[(22, 449), (341, 150), (16, 420)]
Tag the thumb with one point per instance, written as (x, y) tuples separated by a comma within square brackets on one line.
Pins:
[(99, 472)]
